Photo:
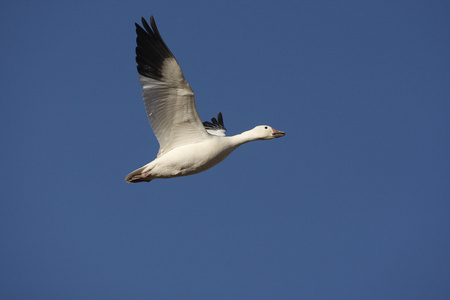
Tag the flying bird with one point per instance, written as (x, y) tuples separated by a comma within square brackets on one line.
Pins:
[(186, 145)]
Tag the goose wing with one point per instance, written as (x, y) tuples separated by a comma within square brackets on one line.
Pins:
[(168, 98), (216, 126)]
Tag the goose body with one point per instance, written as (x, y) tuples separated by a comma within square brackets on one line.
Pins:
[(187, 146)]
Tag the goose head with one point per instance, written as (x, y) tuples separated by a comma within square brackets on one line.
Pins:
[(265, 132)]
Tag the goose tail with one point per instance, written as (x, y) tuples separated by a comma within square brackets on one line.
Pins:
[(139, 176)]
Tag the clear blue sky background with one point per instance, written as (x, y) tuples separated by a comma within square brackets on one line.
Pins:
[(353, 203)]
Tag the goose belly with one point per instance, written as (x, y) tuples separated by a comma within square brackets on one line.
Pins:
[(188, 160)]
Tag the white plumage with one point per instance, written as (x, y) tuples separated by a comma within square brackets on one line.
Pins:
[(187, 146)]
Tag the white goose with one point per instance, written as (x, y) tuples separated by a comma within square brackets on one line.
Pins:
[(187, 146)]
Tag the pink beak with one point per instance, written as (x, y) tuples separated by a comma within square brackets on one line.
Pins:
[(277, 133)]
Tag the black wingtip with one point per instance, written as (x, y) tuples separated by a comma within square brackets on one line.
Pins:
[(153, 23), (220, 118), (151, 50), (215, 123)]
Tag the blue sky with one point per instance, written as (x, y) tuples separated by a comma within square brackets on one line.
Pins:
[(353, 203)]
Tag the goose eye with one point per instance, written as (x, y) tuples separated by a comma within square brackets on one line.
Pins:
[(265, 127)]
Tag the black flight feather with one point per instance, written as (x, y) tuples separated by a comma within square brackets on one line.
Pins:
[(215, 124), (151, 50)]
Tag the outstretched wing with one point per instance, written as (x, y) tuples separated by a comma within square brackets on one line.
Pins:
[(168, 98), (216, 126)]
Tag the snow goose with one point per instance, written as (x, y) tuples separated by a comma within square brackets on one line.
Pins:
[(187, 146)]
